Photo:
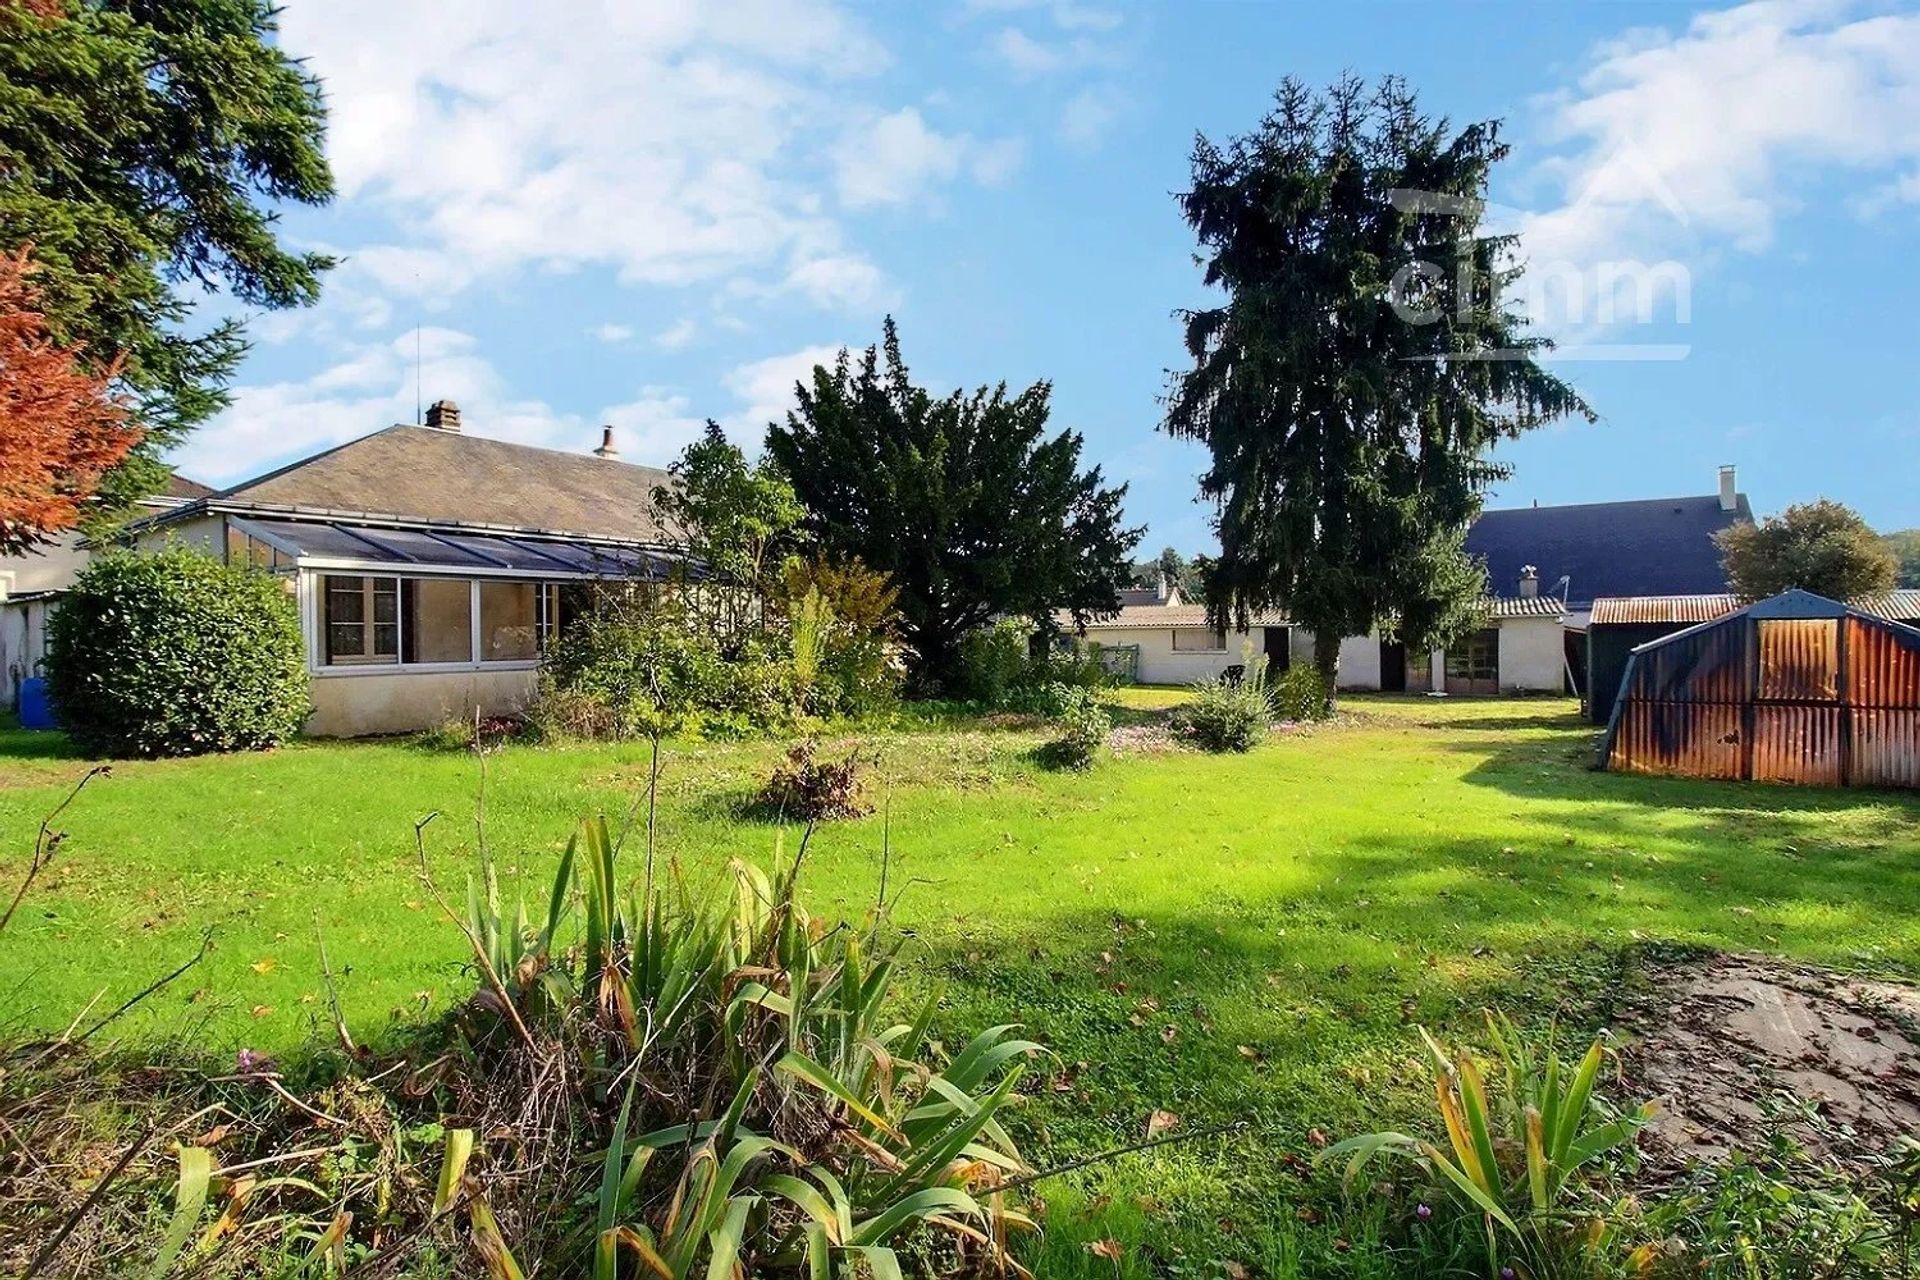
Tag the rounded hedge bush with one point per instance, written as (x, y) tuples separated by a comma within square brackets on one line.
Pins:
[(174, 653)]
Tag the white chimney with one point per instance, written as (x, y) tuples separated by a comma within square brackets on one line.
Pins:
[(606, 449), (1160, 586), (1729, 492), (1529, 581)]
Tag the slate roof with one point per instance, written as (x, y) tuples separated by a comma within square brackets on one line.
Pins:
[(429, 476), (1657, 547)]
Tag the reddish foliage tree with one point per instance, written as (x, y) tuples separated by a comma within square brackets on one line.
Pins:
[(60, 426)]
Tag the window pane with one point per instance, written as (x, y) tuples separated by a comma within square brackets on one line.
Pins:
[(439, 619), (346, 599), (508, 628)]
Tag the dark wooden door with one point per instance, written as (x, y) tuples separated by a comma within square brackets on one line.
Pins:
[(1278, 648), (1393, 666)]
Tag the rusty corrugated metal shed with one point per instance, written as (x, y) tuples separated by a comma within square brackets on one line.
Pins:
[(1902, 605), (1797, 688)]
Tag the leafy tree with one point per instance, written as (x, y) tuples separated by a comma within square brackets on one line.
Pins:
[(60, 429), (1187, 576), (1905, 546), (142, 143), (735, 517), (962, 499), (1823, 547), (1360, 366)]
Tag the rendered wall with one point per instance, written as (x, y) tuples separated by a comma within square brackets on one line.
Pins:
[(1532, 655), (400, 701), (204, 533), (1359, 659), (49, 568), (1160, 663)]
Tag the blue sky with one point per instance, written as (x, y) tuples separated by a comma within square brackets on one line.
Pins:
[(652, 214)]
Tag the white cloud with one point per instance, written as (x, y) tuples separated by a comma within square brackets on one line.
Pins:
[(765, 389), (846, 282), (672, 143), (1089, 114), (1722, 124), (677, 335), (894, 158), (612, 334)]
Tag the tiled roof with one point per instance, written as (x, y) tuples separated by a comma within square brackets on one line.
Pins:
[(1525, 607), (437, 477), (1140, 616), (1663, 546), (1898, 606)]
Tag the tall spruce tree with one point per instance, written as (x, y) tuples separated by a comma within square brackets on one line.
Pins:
[(962, 499), (1350, 395), (142, 145)]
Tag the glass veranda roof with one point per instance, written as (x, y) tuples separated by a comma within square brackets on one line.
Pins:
[(334, 540)]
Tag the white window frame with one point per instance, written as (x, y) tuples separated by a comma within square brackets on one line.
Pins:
[(312, 594)]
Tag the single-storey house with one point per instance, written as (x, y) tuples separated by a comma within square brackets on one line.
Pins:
[(1621, 624), (430, 566), (1169, 642)]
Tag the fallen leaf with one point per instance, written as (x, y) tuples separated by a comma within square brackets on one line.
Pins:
[(1109, 1249), (1316, 1138), (1248, 1052), (264, 965), (1161, 1121), (262, 1010), (1235, 1271), (1169, 1033)]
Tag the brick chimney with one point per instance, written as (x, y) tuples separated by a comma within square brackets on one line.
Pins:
[(443, 415), (606, 449), (1529, 582), (1729, 491)]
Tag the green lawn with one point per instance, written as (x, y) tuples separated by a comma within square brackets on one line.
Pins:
[(1226, 938)]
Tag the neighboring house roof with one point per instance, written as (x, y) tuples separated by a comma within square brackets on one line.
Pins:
[(1140, 596), (1895, 606), (1138, 617), (1499, 607), (178, 486), (431, 476), (1662, 546), (1144, 617)]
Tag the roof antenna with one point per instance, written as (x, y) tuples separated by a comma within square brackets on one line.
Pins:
[(417, 415)]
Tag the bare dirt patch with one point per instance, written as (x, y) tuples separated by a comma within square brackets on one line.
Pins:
[(1714, 1037)]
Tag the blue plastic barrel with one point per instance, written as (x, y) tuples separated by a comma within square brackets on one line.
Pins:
[(36, 711)]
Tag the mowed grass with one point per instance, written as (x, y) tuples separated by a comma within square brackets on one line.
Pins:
[(1241, 941)]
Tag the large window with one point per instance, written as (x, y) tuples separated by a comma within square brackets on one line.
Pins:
[(427, 621), (509, 621), (362, 620), (439, 620), (1475, 658), (1199, 640)]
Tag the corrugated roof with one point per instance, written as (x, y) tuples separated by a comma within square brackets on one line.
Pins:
[(447, 477), (1662, 546), (1612, 610), (1896, 606)]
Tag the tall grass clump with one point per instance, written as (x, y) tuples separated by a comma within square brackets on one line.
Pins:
[(1519, 1164), (654, 1077)]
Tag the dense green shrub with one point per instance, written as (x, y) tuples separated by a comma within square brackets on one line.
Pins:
[(1228, 715), (999, 669), (641, 672), (1300, 694), (176, 653), (1082, 724)]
